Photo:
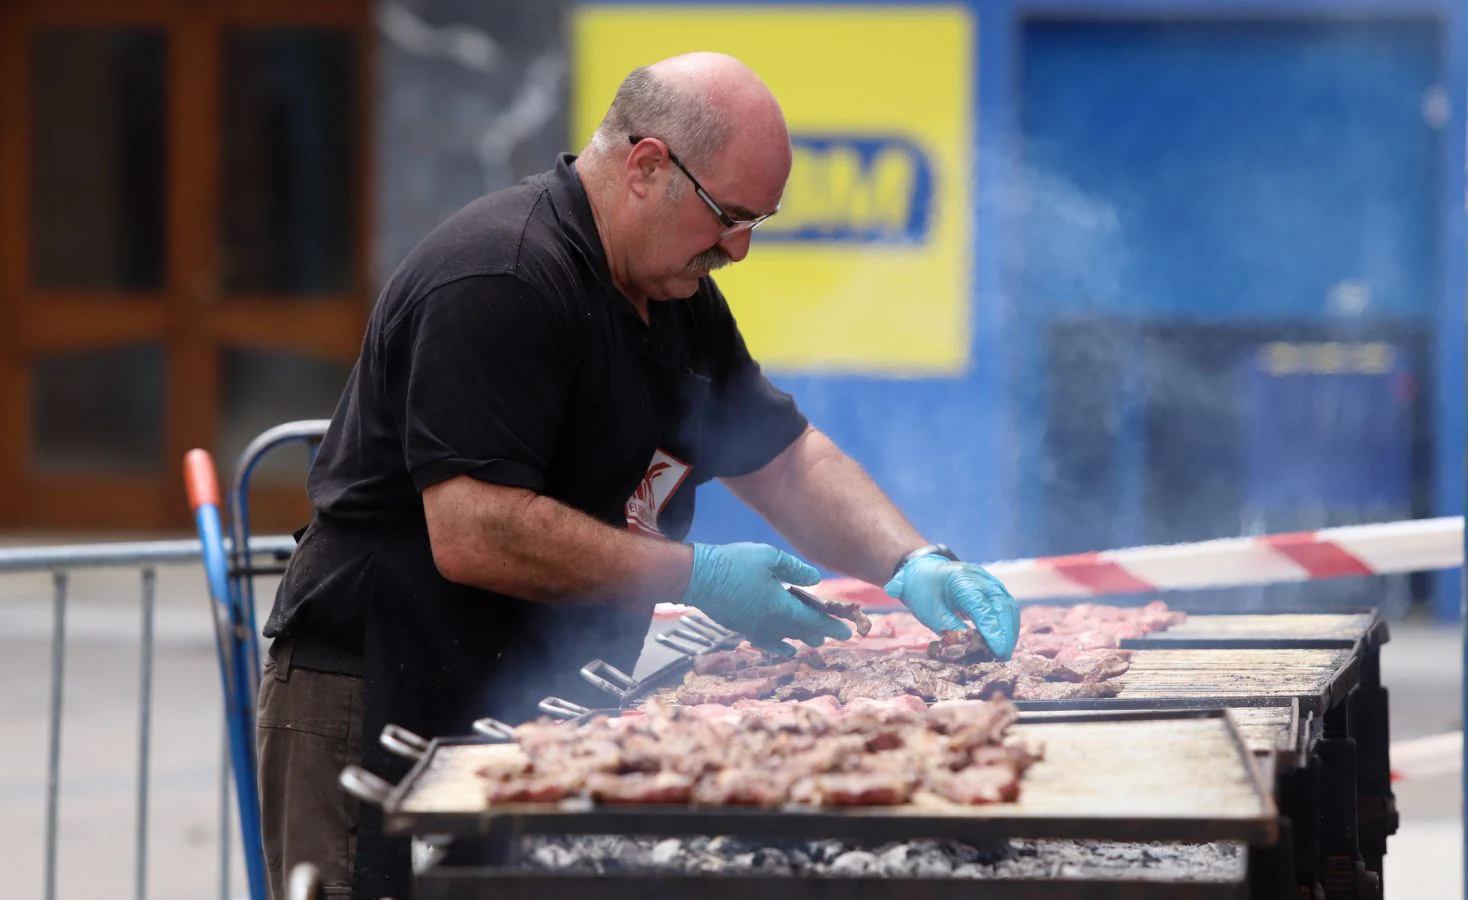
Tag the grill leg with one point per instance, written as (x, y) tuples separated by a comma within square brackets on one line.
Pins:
[(1343, 871), (1298, 795), (1272, 869), (1376, 804)]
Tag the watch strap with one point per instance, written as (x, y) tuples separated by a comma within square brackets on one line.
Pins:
[(925, 550)]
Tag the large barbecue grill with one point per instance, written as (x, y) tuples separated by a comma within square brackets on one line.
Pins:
[(1257, 735)]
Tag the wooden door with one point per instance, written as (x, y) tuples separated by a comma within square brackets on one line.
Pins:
[(183, 234)]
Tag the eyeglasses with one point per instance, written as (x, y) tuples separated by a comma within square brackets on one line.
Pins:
[(731, 224)]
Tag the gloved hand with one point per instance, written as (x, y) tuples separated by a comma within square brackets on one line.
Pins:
[(742, 587), (939, 590)]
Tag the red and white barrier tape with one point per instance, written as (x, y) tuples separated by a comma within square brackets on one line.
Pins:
[(1441, 754), (1415, 545)]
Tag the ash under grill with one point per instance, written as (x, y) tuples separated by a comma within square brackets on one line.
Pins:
[(1019, 859)]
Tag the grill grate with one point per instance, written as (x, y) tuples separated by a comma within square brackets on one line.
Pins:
[(1278, 630), (1182, 775)]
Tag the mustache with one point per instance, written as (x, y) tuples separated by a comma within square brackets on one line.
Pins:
[(709, 260)]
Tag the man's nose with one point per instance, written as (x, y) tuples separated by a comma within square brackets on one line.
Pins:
[(736, 244)]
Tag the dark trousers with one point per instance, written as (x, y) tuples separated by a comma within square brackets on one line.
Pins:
[(309, 727)]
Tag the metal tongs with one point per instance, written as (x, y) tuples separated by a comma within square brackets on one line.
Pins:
[(698, 634)]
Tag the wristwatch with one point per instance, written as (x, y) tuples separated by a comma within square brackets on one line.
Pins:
[(925, 550)]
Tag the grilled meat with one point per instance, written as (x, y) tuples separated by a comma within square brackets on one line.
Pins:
[(770, 754)]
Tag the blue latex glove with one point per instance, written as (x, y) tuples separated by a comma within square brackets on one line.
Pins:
[(939, 591), (742, 587)]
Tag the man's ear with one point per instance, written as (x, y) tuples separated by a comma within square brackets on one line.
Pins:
[(641, 169)]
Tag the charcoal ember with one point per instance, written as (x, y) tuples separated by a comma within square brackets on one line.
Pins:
[(913, 860), (961, 646), (667, 852), (824, 852), (966, 854), (855, 862), (765, 860), (553, 856)]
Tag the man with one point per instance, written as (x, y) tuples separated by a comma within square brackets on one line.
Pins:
[(505, 485)]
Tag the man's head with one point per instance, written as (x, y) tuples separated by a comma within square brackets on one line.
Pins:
[(691, 154)]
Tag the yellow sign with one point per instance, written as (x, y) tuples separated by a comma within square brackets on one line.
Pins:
[(866, 269)]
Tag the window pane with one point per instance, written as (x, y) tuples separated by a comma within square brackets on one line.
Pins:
[(261, 389), (290, 160), (97, 158), (99, 411)]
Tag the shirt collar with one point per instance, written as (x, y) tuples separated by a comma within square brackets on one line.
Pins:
[(573, 208)]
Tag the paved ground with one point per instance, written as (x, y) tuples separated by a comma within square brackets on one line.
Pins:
[(96, 848)]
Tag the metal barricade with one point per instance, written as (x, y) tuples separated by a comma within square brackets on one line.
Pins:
[(146, 557), (230, 566)]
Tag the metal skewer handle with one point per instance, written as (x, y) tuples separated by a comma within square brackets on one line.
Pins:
[(693, 637), (494, 728), (608, 677), (402, 742), (681, 643), (562, 709), (363, 785), (706, 627)]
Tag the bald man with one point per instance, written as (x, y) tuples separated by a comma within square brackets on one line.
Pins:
[(505, 487)]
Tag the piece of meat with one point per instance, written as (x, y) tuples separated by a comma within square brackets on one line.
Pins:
[(1090, 665), (961, 646), (698, 689), (836, 608), (907, 703), (745, 787), (540, 789), (661, 787), (768, 753), (826, 704), (853, 789), (1157, 617), (977, 784), (812, 683), (780, 671), (1031, 664), (1031, 688), (724, 662)]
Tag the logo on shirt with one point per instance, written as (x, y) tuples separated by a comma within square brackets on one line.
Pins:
[(664, 474)]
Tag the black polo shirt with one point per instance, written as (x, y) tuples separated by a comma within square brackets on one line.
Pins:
[(502, 350)]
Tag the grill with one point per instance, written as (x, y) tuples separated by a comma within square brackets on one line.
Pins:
[(1257, 738), (1174, 776)]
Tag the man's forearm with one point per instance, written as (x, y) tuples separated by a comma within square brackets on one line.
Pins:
[(535, 548), (830, 509)]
